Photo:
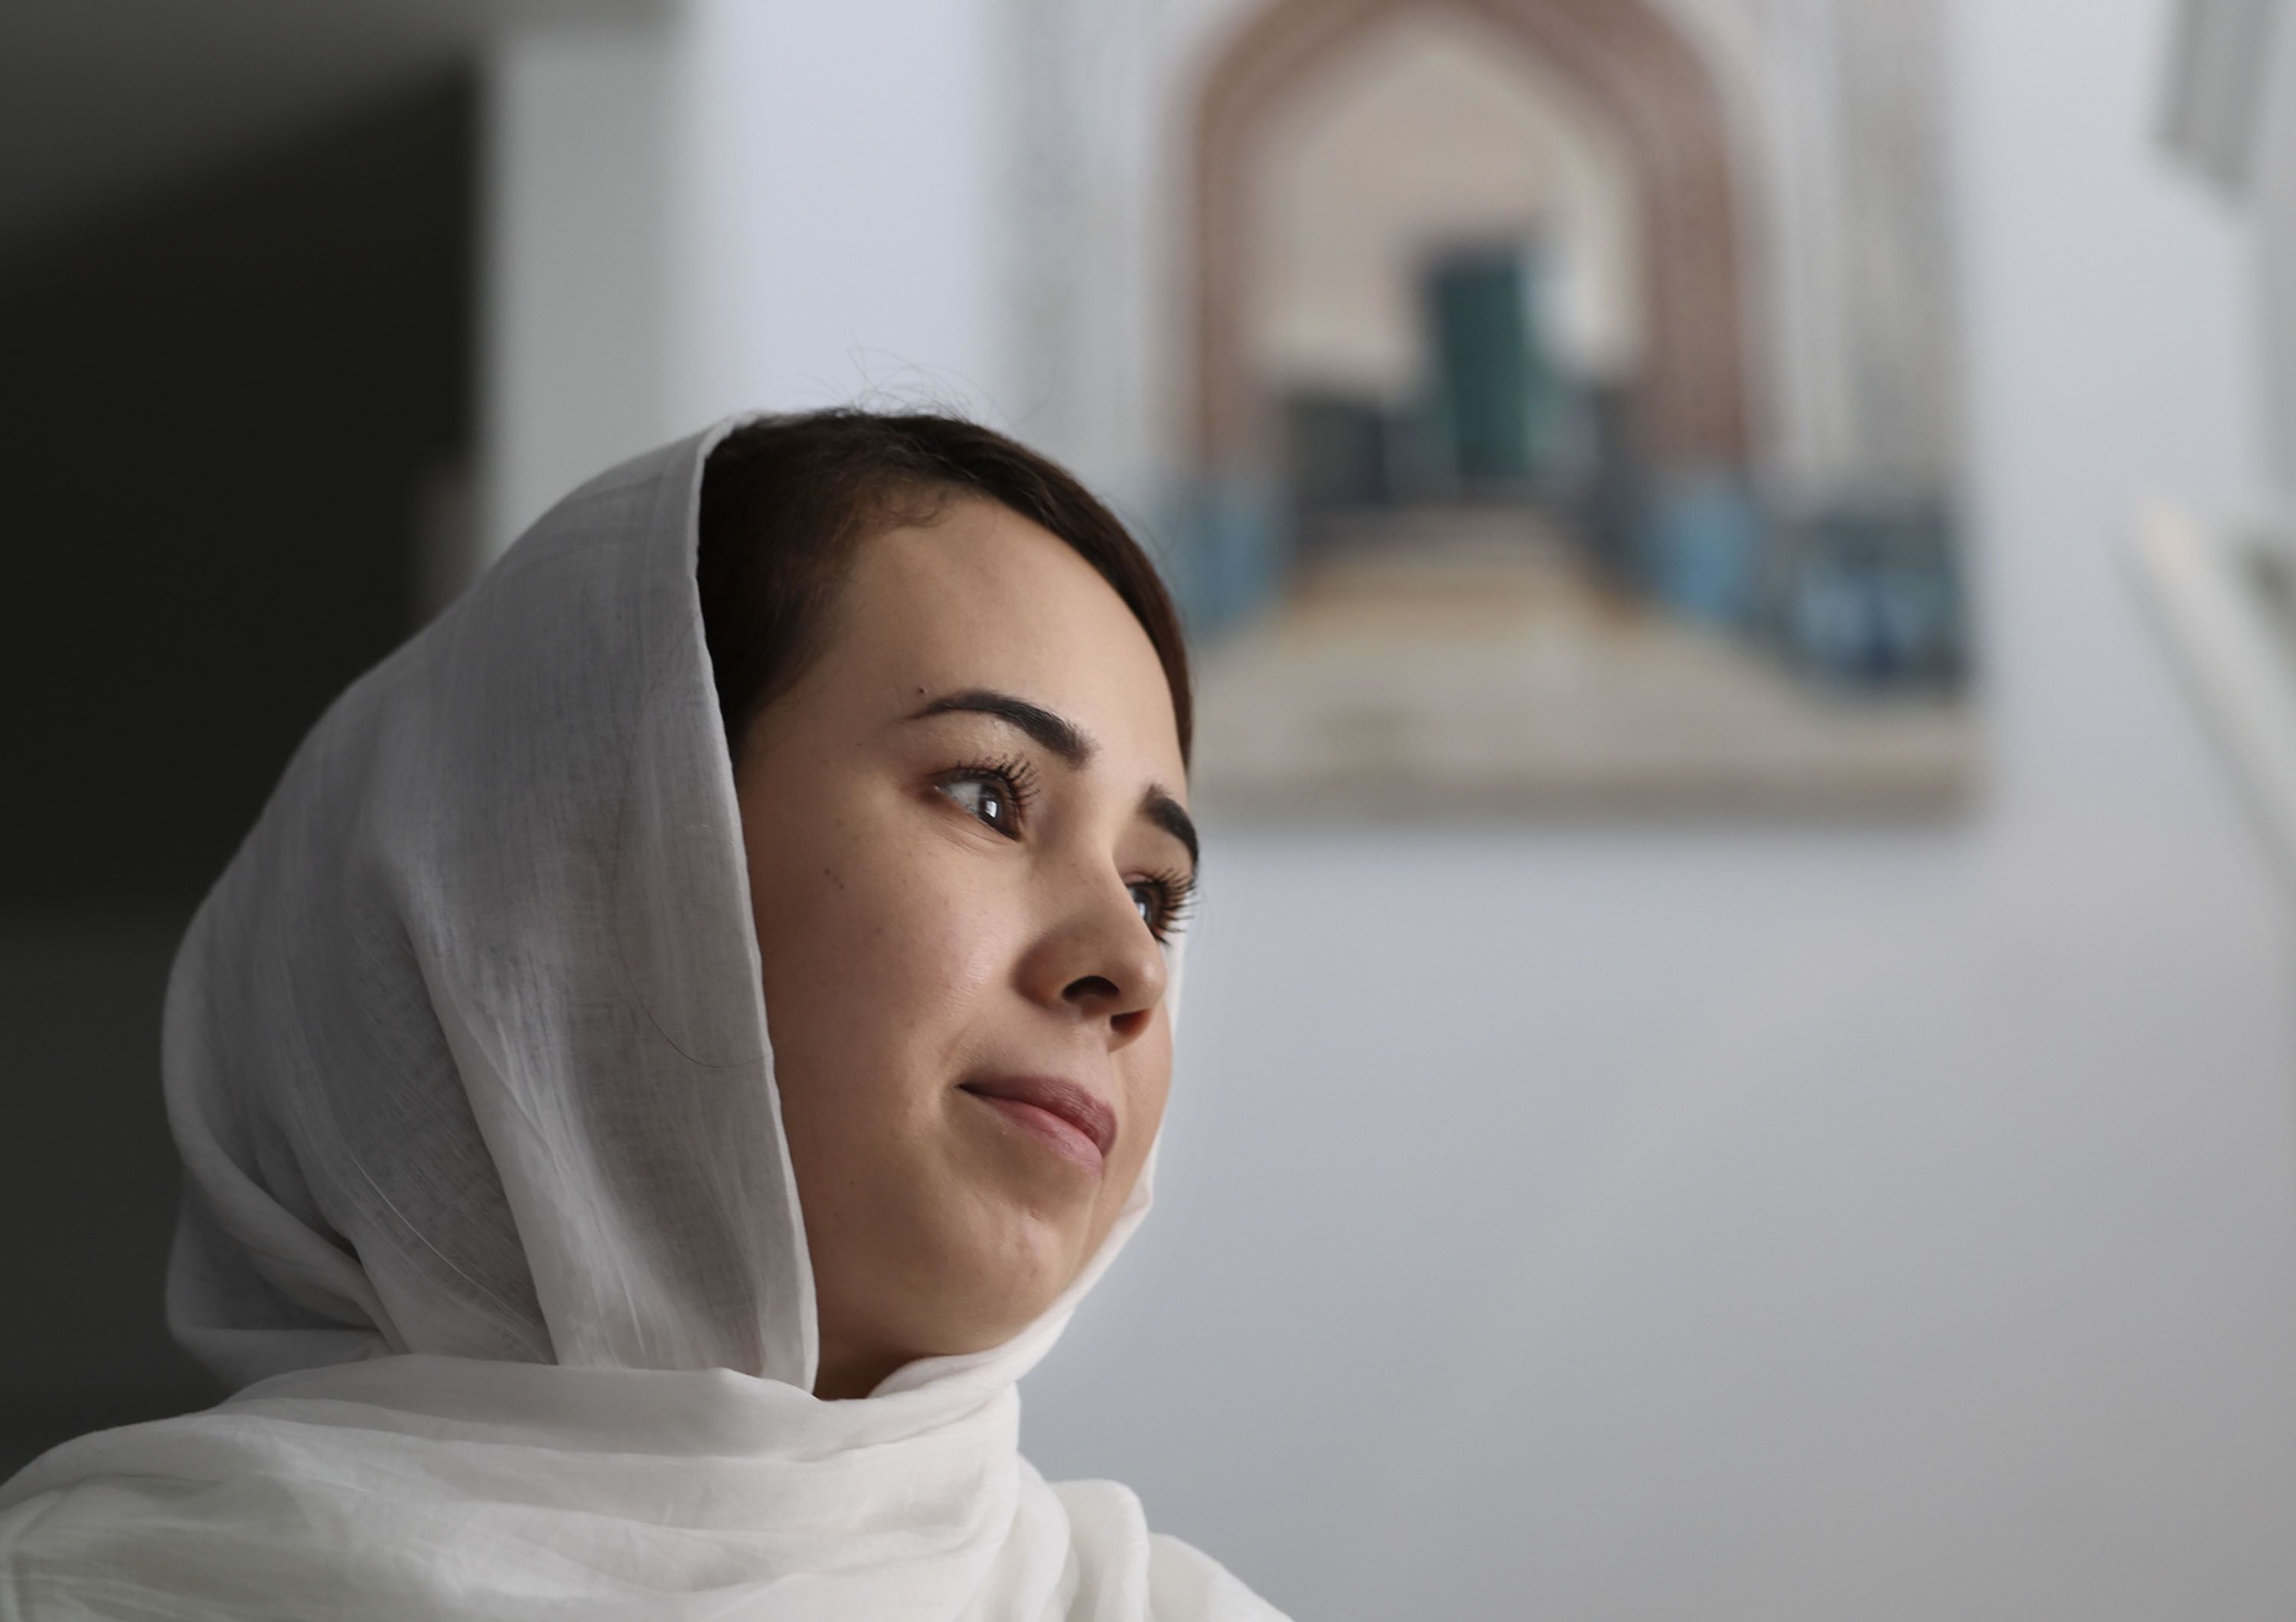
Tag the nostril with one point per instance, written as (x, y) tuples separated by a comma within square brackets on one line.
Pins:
[(1092, 987)]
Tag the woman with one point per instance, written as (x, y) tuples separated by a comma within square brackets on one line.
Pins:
[(684, 1035)]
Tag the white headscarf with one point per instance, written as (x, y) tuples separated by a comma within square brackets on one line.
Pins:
[(486, 1189)]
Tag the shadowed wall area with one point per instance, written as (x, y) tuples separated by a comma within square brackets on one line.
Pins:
[(234, 411)]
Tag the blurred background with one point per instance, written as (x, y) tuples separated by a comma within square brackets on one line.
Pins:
[(1739, 1046)]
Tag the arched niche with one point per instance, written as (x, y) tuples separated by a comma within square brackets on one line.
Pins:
[(1628, 63)]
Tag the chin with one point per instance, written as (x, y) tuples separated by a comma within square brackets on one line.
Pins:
[(1013, 1271), (983, 1243)]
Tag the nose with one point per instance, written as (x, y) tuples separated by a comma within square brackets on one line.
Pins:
[(1100, 963)]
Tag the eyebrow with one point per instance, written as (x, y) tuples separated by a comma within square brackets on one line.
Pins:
[(1069, 742)]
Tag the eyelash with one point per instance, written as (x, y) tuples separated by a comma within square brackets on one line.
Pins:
[(1176, 892)]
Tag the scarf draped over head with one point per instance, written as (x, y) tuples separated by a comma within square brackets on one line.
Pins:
[(487, 1206)]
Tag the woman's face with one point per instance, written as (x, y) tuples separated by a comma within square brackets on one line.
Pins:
[(966, 835)]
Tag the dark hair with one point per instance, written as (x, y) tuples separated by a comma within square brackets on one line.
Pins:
[(786, 500)]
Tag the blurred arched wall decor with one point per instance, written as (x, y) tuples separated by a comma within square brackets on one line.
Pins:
[(1560, 409)]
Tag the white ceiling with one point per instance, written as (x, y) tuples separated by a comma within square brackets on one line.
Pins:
[(101, 99)]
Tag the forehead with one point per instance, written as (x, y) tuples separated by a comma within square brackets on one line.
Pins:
[(983, 597)]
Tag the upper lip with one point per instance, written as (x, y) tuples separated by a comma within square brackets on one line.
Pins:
[(1056, 1095)]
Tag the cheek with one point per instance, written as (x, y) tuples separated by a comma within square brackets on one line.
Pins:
[(879, 948)]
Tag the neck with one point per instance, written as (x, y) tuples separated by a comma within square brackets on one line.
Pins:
[(849, 1372)]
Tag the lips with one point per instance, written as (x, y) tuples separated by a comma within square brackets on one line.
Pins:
[(1066, 1118)]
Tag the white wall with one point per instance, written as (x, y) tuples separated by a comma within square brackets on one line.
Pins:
[(578, 263), (1783, 1224), (845, 207), (2269, 198), (732, 205), (1775, 1224)]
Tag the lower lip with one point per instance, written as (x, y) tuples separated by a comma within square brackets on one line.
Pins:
[(1056, 1133)]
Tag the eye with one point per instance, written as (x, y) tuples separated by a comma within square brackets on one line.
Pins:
[(1164, 903), (997, 794), (988, 799)]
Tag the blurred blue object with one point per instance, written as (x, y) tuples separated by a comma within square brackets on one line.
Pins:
[(1703, 546), (1871, 597), (1230, 550)]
